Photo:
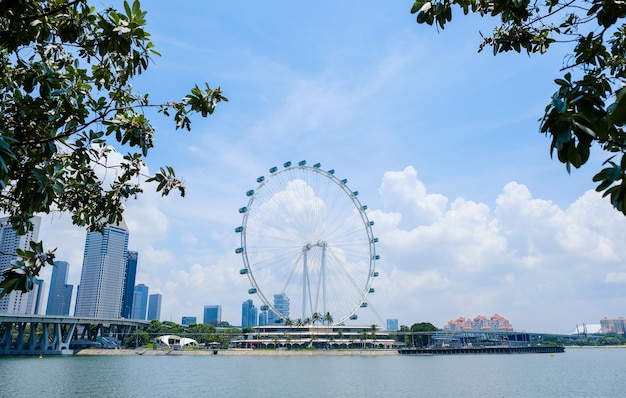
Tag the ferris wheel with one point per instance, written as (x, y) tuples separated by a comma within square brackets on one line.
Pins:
[(307, 245)]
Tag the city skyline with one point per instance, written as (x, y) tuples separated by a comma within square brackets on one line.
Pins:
[(441, 142), (34, 300)]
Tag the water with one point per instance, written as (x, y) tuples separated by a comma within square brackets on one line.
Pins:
[(575, 373)]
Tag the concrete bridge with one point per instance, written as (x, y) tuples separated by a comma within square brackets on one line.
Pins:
[(43, 334)]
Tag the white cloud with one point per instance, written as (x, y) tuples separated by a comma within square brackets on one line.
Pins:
[(463, 259), (402, 190), (615, 277)]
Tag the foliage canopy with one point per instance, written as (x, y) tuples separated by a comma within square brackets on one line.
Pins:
[(589, 106), (65, 101)]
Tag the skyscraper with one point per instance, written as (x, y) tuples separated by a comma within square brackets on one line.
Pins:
[(212, 314), (60, 295), (34, 298), (188, 320), (248, 314), (129, 284), (103, 275), (15, 302), (140, 302), (281, 304), (392, 325), (154, 307)]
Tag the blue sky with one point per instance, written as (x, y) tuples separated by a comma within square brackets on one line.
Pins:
[(442, 143)]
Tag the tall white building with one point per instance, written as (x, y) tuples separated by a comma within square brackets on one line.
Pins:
[(102, 278), (17, 302)]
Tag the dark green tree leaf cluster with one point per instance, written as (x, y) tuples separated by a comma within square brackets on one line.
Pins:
[(421, 333), (138, 338), (65, 101), (589, 106)]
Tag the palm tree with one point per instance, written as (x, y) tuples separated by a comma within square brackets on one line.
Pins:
[(373, 329), (328, 319), (339, 338), (363, 337), (316, 317)]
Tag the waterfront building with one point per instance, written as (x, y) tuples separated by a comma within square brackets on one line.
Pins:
[(189, 320), (212, 314), (154, 307), (480, 322), (16, 302), (60, 294), (129, 284), (392, 325), (102, 278), (248, 314), (140, 302), (613, 325), (316, 336)]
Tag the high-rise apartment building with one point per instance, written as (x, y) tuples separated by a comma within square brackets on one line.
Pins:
[(60, 294), (248, 314), (129, 284), (103, 275), (140, 302), (154, 307), (212, 314), (617, 325), (16, 302)]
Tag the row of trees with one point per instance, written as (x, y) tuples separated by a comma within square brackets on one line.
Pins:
[(607, 339), (316, 317), (202, 333)]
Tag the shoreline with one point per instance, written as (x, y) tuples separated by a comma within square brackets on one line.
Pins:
[(264, 352), (236, 352)]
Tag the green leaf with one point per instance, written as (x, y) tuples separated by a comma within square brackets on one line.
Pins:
[(618, 110), (585, 129)]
